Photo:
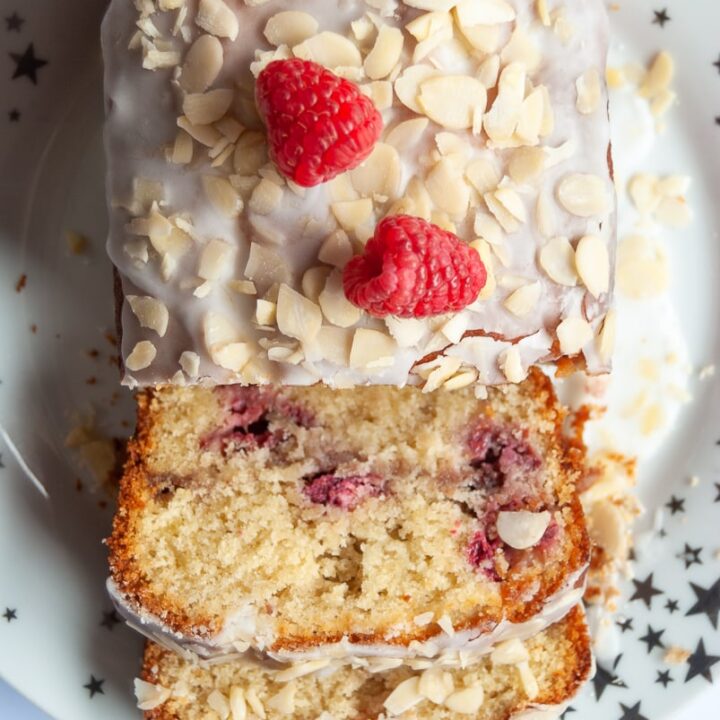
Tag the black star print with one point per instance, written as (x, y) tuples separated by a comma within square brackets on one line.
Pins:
[(664, 678), (672, 605), (110, 619), (675, 505), (625, 625), (95, 686), (661, 17), (645, 590), (691, 556), (10, 614), (571, 709), (717, 122), (717, 485), (708, 602), (27, 65), (632, 713), (13, 22), (653, 639), (14, 116), (700, 663), (603, 678), (717, 65), (2, 464)]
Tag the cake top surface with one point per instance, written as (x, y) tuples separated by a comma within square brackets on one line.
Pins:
[(494, 128)]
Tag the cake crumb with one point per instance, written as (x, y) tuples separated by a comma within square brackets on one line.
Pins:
[(676, 655), (21, 283), (77, 243), (706, 372)]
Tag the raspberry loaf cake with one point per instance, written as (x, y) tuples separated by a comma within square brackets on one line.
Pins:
[(307, 523), (359, 192), (531, 681)]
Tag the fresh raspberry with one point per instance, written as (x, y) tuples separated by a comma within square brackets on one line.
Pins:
[(342, 492), (319, 125), (412, 268)]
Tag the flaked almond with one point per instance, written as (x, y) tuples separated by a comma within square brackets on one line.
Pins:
[(659, 76), (589, 92), (254, 703), (297, 316), (265, 312), (446, 368), (541, 7), (483, 175), (502, 118), (512, 202), (141, 357), (466, 701), (333, 344), (522, 529), (450, 100), (407, 86), (238, 706), (265, 266), (437, 28), (447, 187), (190, 363), (528, 680), (407, 332), (509, 652), (290, 27), (483, 12), (336, 250), (644, 193), (511, 365), (380, 92), (574, 334), (407, 134), (216, 259), (329, 49), (385, 53), (283, 702), (643, 268), (335, 306), (531, 117), (545, 215), (485, 38), (222, 195), (429, 24), (150, 696), (215, 17), (218, 330), (521, 48), (182, 149), (150, 312), (352, 213), (204, 134), (436, 684), (379, 174), (266, 196), (404, 696), (606, 338), (450, 143), (557, 259), (593, 264), (217, 702), (205, 108), (313, 282), (583, 195), (524, 299), (250, 153), (372, 349), (526, 164), (507, 221), (462, 379)]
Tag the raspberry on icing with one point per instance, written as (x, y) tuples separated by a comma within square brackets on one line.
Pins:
[(319, 125), (412, 268)]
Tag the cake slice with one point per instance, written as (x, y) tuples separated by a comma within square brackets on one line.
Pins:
[(483, 124), (531, 681), (307, 522)]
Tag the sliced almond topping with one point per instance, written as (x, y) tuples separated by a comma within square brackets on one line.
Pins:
[(509, 652), (435, 684), (284, 701), (238, 706), (589, 91), (265, 197), (440, 31), (150, 696), (204, 134), (216, 259), (222, 195), (385, 53), (447, 188), (219, 703), (290, 27), (659, 76), (487, 257), (190, 363), (141, 356), (521, 48), (265, 266), (489, 71), (606, 339), (435, 5), (467, 701), (574, 334), (372, 349), (429, 24), (254, 702), (583, 195), (524, 299), (522, 529), (379, 174), (673, 186), (447, 367), (545, 215), (482, 175), (502, 118), (217, 18), (512, 202), (407, 134), (313, 282), (526, 164), (462, 379), (557, 259), (329, 49), (404, 696), (508, 222), (407, 332), (250, 153), (451, 99), (352, 213), (335, 306), (531, 117), (341, 188), (297, 316), (265, 312), (511, 365), (336, 250), (150, 312), (182, 150), (407, 86), (205, 108), (593, 264), (202, 64), (485, 38), (543, 13), (455, 327), (528, 680), (483, 12)]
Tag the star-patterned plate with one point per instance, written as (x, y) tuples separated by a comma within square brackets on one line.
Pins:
[(60, 642)]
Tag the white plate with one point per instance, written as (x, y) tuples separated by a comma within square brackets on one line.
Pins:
[(54, 647)]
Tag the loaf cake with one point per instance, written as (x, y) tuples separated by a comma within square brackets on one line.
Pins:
[(531, 681), (312, 522), (358, 192)]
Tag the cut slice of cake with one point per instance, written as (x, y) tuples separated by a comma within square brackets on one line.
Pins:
[(486, 121), (304, 522), (534, 680)]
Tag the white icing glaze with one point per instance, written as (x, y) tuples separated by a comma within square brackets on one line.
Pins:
[(252, 640), (142, 111)]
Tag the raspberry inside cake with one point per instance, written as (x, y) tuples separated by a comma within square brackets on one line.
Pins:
[(543, 675), (375, 520)]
